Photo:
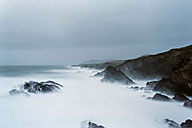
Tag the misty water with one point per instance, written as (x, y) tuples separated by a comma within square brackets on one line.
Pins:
[(82, 98)]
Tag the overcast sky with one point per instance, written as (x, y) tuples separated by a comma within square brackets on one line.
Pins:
[(73, 31)]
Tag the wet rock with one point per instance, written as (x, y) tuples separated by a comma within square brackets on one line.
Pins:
[(114, 75), (160, 97), (89, 124), (179, 81), (187, 124), (171, 123), (180, 97), (18, 92), (136, 88), (188, 104), (93, 125), (36, 87), (42, 87)]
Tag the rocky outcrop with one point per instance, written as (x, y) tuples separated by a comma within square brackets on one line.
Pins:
[(112, 75), (179, 81), (156, 66), (171, 123), (173, 68), (180, 98), (36, 87), (160, 97), (88, 124), (187, 124), (188, 104), (42, 87)]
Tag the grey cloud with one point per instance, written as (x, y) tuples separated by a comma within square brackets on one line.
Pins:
[(90, 29)]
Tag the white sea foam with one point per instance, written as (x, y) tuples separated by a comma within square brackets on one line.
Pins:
[(84, 98)]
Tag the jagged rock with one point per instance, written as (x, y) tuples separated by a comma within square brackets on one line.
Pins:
[(151, 85), (187, 124), (174, 66), (93, 125), (180, 97), (88, 124), (171, 123), (42, 87), (36, 87), (179, 81), (188, 104), (18, 92), (114, 75), (160, 97)]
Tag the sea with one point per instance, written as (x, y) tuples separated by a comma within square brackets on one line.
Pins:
[(83, 98)]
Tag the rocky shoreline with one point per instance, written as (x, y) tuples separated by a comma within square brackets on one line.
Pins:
[(172, 71)]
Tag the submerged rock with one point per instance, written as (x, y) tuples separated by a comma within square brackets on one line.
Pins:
[(171, 123), (114, 75), (160, 97), (88, 124), (180, 97), (188, 104), (187, 124), (18, 92)]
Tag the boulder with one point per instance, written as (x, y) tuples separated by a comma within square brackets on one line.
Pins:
[(114, 75), (160, 97), (180, 97), (171, 123), (188, 104), (187, 124)]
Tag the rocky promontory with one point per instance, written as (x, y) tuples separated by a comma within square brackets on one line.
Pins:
[(171, 69)]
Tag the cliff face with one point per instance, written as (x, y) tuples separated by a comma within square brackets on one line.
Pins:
[(156, 66), (173, 68), (179, 81)]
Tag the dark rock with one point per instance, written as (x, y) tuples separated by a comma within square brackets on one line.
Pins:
[(188, 104), (135, 88), (114, 75), (187, 124), (42, 87), (179, 81), (93, 125), (18, 92), (89, 124), (180, 97), (151, 85), (36, 87), (160, 97), (171, 123)]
